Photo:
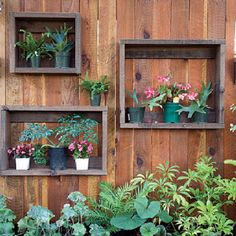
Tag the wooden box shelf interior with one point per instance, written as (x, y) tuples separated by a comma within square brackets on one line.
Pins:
[(36, 23), (30, 114), (145, 49)]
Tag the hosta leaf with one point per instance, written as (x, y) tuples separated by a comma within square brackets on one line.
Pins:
[(127, 222)]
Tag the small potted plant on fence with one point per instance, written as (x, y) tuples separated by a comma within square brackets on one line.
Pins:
[(173, 93), (95, 88), (80, 152), (136, 114), (33, 48), (60, 46), (22, 154), (69, 129), (198, 108)]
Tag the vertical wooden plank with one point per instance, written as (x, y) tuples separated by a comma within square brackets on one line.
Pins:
[(216, 29), (160, 138), (124, 147), (197, 73), (13, 186), (230, 96), (143, 138), (107, 65), (179, 139), (89, 14), (2, 55)]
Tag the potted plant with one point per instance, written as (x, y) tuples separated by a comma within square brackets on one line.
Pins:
[(173, 93), (69, 128), (60, 46), (22, 154), (198, 109), (80, 152), (136, 114), (33, 48), (95, 88)]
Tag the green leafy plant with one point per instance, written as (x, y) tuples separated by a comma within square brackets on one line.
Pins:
[(73, 214), (60, 42), (39, 154), (111, 202), (7, 217), (200, 104), (143, 211), (37, 223), (97, 230), (95, 87), (69, 128), (31, 47)]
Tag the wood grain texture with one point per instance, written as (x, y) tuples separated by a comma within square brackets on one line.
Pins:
[(104, 24)]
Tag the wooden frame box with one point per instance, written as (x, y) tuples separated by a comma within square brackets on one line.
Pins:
[(175, 49), (30, 114), (35, 23)]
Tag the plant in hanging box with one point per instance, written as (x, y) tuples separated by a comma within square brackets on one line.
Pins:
[(22, 154), (80, 152), (174, 93), (95, 88), (60, 46), (69, 129), (33, 48), (198, 108), (136, 114)]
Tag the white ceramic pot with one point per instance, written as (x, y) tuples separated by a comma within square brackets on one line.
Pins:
[(22, 163), (82, 163)]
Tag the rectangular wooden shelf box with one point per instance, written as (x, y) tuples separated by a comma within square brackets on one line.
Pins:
[(175, 49), (36, 23), (50, 114)]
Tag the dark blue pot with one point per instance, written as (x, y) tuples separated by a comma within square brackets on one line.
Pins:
[(57, 158)]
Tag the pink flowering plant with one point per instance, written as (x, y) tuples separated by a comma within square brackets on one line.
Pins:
[(81, 149), (21, 151), (199, 103), (174, 92), (150, 98)]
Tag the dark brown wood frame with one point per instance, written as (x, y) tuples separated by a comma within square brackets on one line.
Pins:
[(54, 17), (20, 114), (175, 49)]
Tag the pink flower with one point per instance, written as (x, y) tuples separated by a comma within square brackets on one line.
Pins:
[(149, 92), (90, 148), (72, 147), (192, 96), (80, 147), (182, 96), (163, 78)]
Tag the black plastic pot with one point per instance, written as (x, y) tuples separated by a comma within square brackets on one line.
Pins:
[(96, 101), (57, 158), (136, 114), (62, 59), (199, 117)]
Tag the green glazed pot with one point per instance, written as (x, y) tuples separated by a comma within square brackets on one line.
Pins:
[(96, 101), (170, 114), (35, 61), (199, 117), (62, 59), (136, 114)]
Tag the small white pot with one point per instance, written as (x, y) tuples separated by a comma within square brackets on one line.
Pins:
[(22, 163), (82, 163)]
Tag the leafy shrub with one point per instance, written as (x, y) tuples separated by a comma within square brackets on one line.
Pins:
[(6, 218)]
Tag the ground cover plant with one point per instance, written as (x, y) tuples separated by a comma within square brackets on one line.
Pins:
[(188, 203)]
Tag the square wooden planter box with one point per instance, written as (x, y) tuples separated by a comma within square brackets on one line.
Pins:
[(36, 23), (50, 114), (146, 49)]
